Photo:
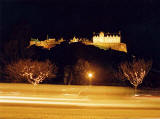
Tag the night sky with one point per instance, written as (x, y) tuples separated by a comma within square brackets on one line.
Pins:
[(138, 20)]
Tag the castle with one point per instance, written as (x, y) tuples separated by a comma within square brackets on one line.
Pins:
[(109, 41), (102, 40), (107, 38)]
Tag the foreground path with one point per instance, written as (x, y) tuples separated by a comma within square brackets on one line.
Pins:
[(24, 101)]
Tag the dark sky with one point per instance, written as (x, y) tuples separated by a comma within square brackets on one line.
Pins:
[(138, 20)]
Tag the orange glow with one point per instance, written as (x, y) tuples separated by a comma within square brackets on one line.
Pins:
[(90, 75)]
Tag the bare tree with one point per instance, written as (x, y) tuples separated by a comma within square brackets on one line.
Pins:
[(81, 68), (135, 71), (68, 72), (32, 71)]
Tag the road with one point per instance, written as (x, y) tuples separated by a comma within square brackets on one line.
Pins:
[(25, 101)]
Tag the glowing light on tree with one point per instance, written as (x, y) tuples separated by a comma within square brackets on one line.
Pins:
[(82, 68), (34, 72), (135, 71)]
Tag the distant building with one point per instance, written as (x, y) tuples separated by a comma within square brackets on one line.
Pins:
[(102, 40), (109, 41), (33, 41), (48, 43), (107, 38), (74, 40)]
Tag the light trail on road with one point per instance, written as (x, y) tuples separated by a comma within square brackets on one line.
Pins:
[(36, 98), (21, 101), (65, 103), (105, 103)]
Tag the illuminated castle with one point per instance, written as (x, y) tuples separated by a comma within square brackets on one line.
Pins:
[(74, 40), (107, 38), (83, 40), (109, 41), (102, 40)]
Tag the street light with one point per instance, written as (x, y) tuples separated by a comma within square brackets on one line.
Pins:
[(90, 76)]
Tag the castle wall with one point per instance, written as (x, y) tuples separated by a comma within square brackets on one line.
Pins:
[(32, 43), (108, 39), (115, 46), (101, 38)]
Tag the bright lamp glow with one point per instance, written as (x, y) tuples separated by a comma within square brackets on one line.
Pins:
[(90, 75)]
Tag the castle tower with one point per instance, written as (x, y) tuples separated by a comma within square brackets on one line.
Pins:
[(101, 34)]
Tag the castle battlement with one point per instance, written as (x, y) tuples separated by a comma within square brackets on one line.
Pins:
[(107, 38)]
